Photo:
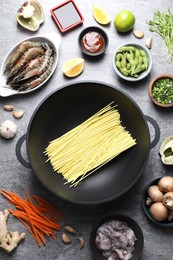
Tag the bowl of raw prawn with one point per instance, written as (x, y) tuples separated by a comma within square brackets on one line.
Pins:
[(29, 64), (107, 234)]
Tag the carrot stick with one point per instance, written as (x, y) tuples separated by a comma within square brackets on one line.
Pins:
[(34, 207), (37, 221), (32, 217), (45, 203), (33, 228), (40, 234), (27, 226)]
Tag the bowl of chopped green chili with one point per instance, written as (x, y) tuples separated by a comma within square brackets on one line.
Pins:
[(161, 90), (132, 61)]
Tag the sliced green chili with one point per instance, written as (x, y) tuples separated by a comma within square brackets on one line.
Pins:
[(162, 91)]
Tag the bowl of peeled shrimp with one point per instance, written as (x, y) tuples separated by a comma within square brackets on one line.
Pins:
[(29, 64), (116, 237), (132, 61)]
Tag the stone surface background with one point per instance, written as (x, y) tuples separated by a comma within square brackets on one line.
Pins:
[(15, 177)]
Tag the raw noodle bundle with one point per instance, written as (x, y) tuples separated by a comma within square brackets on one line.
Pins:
[(90, 145)]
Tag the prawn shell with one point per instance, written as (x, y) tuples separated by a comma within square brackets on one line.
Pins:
[(53, 40)]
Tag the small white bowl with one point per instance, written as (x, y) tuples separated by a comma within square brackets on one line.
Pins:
[(143, 74)]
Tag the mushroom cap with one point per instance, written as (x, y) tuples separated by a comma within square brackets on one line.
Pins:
[(168, 200), (155, 193), (166, 183), (159, 212)]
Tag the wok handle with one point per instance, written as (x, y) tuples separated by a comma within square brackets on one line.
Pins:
[(18, 151), (157, 131)]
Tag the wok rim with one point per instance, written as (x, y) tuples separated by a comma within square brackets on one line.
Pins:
[(88, 202)]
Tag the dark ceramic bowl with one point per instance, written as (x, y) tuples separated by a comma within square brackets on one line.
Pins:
[(100, 32), (146, 208), (150, 89), (131, 223)]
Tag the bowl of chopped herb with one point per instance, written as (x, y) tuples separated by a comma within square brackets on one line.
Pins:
[(161, 90)]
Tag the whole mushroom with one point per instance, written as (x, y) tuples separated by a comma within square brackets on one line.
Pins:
[(168, 200), (159, 212), (166, 184), (155, 195), (8, 129)]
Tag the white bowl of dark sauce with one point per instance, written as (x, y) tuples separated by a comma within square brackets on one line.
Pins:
[(93, 41)]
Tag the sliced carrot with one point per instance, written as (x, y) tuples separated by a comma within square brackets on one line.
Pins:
[(32, 216), (48, 205), (41, 235)]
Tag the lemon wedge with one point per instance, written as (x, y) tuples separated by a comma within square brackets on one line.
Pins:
[(73, 67), (101, 16)]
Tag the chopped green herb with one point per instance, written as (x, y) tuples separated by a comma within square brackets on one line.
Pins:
[(162, 24), (163, 91)]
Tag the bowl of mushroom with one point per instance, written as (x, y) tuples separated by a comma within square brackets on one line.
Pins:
[(157, 201)]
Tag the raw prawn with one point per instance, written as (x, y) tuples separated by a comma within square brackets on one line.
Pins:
[(25, 58), (35, 81), (35, 63), (36, 71), (24, 46)]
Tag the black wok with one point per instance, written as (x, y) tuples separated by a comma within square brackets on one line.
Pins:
[(69, 106)]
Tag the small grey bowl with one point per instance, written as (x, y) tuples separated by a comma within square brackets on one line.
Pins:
[(141, 75)]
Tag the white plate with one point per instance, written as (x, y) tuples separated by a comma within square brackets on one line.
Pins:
[(53, 39)]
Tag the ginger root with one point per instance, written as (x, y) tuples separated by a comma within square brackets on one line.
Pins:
[(8, 240)]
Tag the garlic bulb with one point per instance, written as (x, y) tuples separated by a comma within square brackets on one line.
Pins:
[(8, 129)]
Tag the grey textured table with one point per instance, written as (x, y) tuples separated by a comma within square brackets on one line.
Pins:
[(15, 177)]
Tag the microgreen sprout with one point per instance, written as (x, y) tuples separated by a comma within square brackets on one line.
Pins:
[(162, 24)]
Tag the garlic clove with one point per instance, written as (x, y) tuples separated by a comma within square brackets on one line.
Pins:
[(149, 43), (70, 229), (8, 107), (26, 10), (18, 114), (66, 239), (81, 242), (138, 34)]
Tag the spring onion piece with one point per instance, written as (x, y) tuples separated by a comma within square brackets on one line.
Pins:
[(163, 91), (162, 24)]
